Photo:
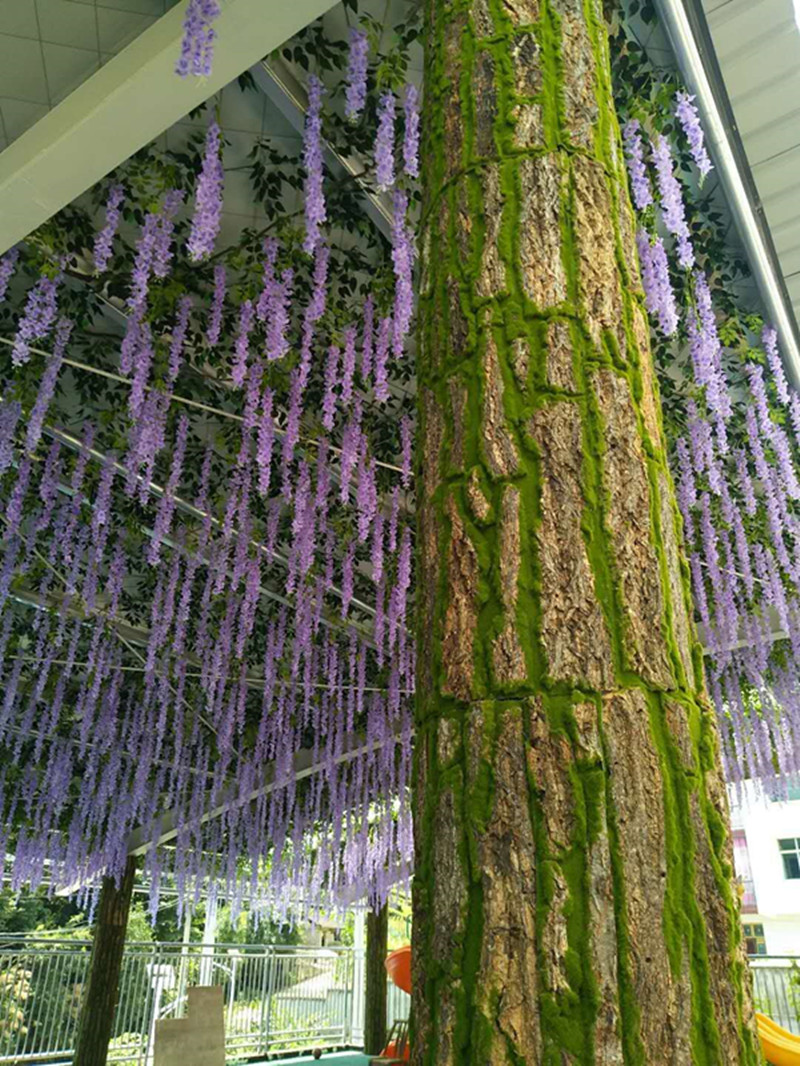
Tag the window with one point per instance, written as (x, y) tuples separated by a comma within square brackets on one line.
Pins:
[(755, 942), (790, 852)]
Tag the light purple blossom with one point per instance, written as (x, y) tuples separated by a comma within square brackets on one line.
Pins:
[(215, 319), (659, 297), (10, 411), (312, 160), (672, 201), (384, 143), (382, 357), (166, 505), (331, 377), (769, 338), (162, 242), (687, 115), (348, 364), (706, 350), (179, 337), (8, 265), (356, 93), (367, 340), (402, 258), (634, 155), (47, 385), (278, 317), (105, 238), (411, 134), (242, 350), (37, 318), (266, 437), (197, 46), (208, 199)]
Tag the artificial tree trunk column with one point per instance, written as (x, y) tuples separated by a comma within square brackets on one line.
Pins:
[(573, 898), (375, 998), (100, 997)]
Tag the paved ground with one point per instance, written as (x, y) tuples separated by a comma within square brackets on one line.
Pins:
[(335, 1058)]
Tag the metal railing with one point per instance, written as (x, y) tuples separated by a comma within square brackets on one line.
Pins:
[(776, 988), (276, 998)]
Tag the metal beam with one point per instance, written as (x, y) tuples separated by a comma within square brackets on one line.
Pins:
[(127, 103), (305, 764)]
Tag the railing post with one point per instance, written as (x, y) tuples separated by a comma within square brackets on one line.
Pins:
[(266, 1000)]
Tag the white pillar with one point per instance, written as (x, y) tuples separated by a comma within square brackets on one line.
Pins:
[(209, 939)]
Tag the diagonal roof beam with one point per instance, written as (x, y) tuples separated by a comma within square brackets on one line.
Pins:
[(129, 102)]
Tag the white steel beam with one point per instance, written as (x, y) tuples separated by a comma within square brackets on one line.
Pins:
[(127, 103)]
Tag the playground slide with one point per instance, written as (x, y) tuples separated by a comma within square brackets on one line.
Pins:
[(780, 1047), (398, 966)]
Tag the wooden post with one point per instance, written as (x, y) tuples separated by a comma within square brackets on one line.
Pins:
[(100, 998), (375, 1009)]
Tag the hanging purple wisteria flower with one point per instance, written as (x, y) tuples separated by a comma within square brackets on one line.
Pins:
[(687, 115), (407, 444), (402, 258), (411, 133), (312, 160), (179, 337), (769, 338), (162, 244), (215, 319), (356, 93), (197, 46), (331, 378), (384, 143), (105, 238), (8, 265), (247, 316), (634, 155), (47, 384), (37, 318), (659, 297), (672, 201), (208, 198)]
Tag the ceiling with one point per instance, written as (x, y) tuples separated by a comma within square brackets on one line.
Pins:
[(49, 47), (758, 48)]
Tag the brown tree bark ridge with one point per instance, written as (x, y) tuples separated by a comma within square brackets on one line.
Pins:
[(573, 895), (99, 1002), (375, 998)]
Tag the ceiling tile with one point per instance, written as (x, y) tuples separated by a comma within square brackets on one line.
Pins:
[(67, 68), (139, 7), (18, 17), (65, 22), (119, 28), (242, 110), (21, 70), (19, 115)]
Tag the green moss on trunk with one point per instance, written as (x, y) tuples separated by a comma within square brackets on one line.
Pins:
[(573, 897)]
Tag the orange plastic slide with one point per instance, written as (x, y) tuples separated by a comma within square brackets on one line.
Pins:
[(780, 1047), (398, 966)]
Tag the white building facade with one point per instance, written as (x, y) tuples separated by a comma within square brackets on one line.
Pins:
[(766, 839)]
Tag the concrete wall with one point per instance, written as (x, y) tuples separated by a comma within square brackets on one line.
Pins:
[(199, 1038)]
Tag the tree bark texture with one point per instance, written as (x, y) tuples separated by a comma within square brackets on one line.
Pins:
[(573, 898), (375, 999), (99, 1002)]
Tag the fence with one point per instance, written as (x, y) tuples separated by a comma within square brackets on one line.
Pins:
[(276, 998)]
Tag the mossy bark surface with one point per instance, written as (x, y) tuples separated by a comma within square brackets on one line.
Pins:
[(573, 898), (375, 997), (99, 1002)]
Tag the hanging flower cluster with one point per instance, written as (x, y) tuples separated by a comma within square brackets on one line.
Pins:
[(356, 95), (105, 238), (197, 46), (208, 199), (275, 599), (739, 505)]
